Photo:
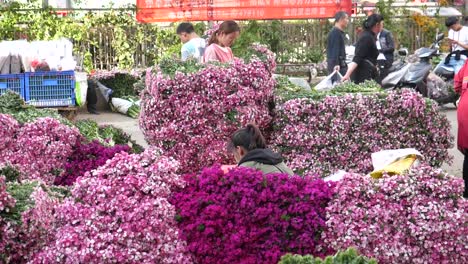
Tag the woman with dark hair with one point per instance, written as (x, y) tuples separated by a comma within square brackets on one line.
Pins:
[(220, 42), (364, 62), (250, 150)]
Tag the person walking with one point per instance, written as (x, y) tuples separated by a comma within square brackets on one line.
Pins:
[(364, 65), (386, 46), (193, 46), (336, 40)]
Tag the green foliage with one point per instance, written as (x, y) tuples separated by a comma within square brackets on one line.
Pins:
[(11, 174), (350, 256), (107, 135), (12, 104), (285, 90), (169, 66), (21, 192), (121, 84)]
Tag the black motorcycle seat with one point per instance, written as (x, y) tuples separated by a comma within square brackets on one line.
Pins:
[(444, 72)]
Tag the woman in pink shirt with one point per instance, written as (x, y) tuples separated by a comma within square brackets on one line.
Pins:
[(220, 42)]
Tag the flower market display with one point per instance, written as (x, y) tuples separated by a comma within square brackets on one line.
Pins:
[(192, 113), (247, 217), (119, 213), (341, 132), (419, 217)]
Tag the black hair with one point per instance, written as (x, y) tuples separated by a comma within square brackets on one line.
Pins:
[(450, 21), (249, 138), (185, 27), (340, 15), (371, 21)]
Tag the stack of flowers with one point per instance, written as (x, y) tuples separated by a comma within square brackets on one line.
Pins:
[(341, 132), (87, 157), (247, 217), (191, 115), (39, 149), (26, 236), (119, 213), (419, 217)]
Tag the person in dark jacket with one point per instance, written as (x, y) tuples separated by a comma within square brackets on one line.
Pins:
[(364, 65), (386, 47), (336, 52), (250, 150)]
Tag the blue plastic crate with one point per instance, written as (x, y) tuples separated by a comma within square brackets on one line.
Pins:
[(49, 89), (14, 82)]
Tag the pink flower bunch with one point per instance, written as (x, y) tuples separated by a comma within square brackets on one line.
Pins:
[(42, 148), (418, 217), (119, 213), (38, 149), (341, 132), (191, 116), (8, 129), (247, 217), (23, 240)]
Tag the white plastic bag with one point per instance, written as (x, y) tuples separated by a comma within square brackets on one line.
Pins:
[(120, 105), (386, 157), (329, 82)]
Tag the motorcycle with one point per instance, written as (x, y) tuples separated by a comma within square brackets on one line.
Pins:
[(417, 74)]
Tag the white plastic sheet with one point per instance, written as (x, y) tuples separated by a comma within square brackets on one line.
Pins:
[(384, 158), (329, 82)]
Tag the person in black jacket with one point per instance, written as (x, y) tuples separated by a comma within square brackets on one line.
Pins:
[(386, 47), (336, 53), (364, 65)]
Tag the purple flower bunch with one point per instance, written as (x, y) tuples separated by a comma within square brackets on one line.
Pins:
[(87, 157), (191, 116), (38, 149), (247, 217), (120, 213), (341, 132), (418, 217)]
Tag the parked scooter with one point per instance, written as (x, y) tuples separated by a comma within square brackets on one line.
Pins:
[(417, 75)]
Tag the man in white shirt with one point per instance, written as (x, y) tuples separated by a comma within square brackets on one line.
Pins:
[(458, 38), (194, 46)]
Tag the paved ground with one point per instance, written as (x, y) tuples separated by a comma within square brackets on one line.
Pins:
[(131, 126)]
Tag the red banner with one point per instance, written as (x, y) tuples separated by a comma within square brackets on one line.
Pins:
[(217, 10)]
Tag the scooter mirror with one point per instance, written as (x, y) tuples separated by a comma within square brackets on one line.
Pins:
[(440, 37), (403, 52)]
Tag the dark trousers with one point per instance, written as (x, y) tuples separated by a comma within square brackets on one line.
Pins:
[(91, 97), (465, 174)]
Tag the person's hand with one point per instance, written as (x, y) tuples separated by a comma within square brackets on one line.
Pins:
[(345, 78), (337, 68), (452, 41)]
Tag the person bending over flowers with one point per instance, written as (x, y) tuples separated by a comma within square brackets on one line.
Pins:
[(250, 150), (220, 42)]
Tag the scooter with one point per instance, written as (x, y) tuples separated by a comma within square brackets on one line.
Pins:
[(417, 75)]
